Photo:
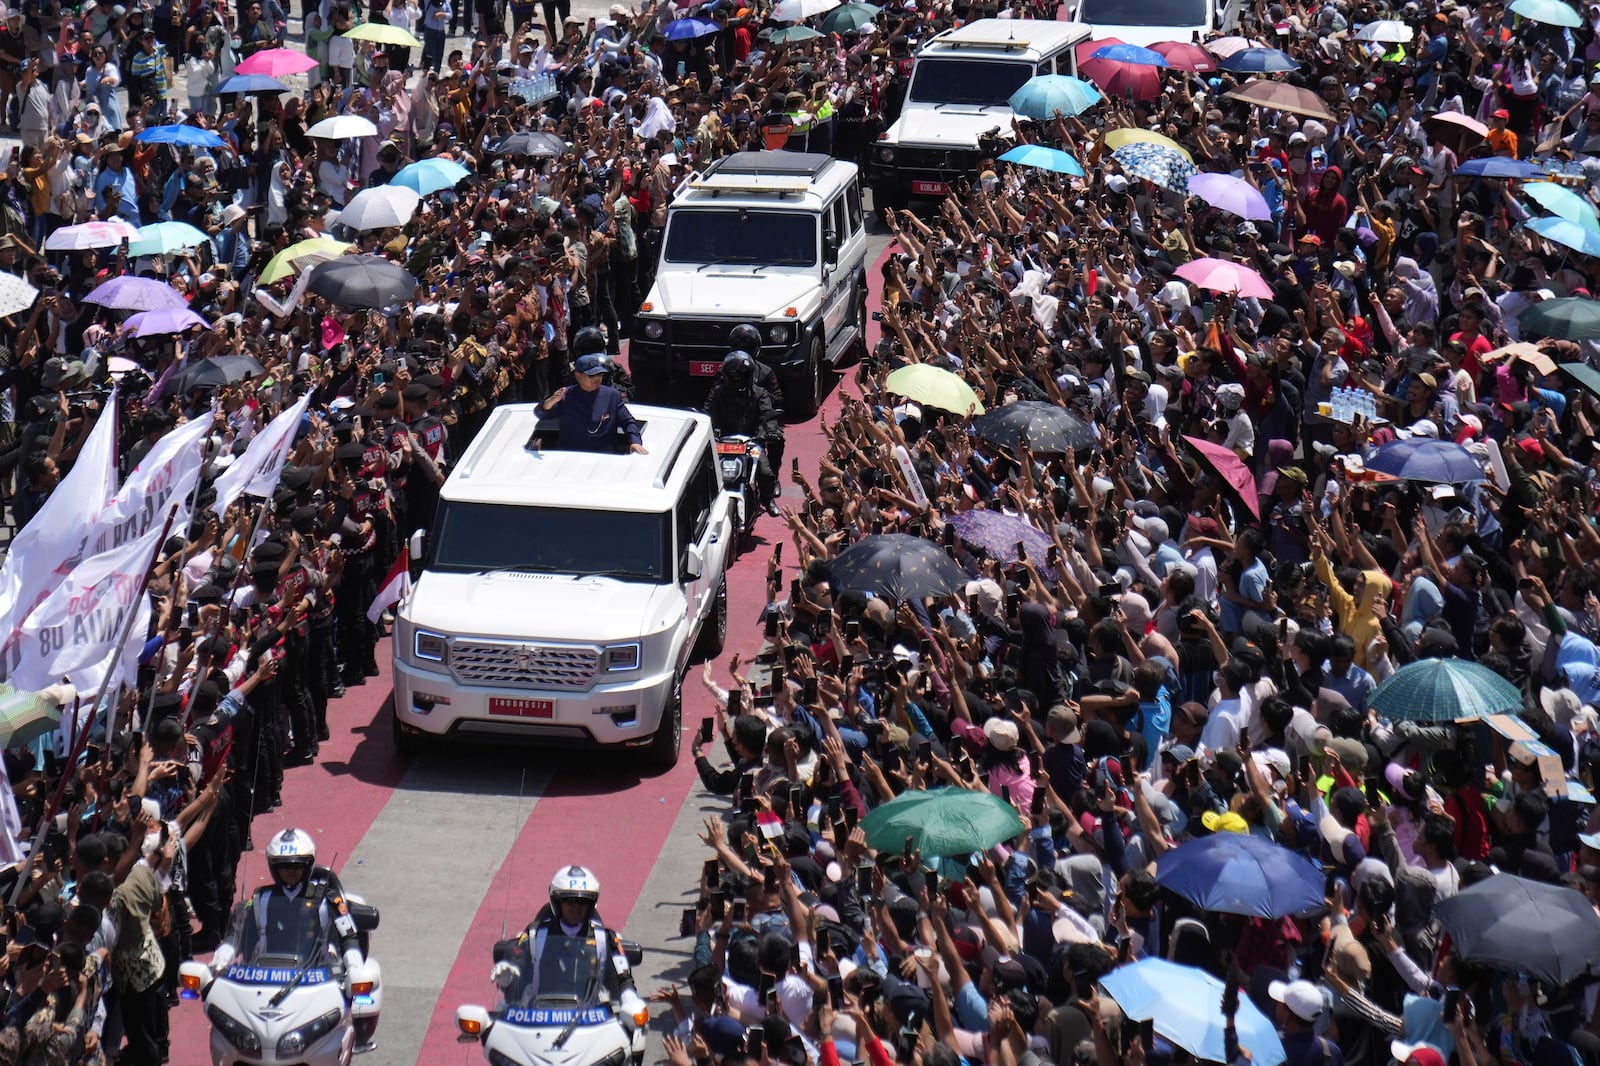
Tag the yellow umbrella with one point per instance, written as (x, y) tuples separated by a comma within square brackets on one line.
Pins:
[(1119, 137), (383, 33), (285, 264), (935, 387)]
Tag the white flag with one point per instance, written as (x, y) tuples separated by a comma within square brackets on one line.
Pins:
[(167, 474), (256, 472), (73, 633)]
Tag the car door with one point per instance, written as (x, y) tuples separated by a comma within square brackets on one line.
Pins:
[(702, 523), (836, 275)]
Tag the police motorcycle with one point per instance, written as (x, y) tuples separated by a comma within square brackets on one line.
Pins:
[(569, 1018), (739, 460), (305, 1005)]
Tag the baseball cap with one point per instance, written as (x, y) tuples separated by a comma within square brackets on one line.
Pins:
[(593, 365), (1418, 1054), (1065, 721), (1303, 998), (1500, 113)]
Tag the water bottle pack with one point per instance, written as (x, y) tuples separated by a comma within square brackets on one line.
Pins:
[(1349, 404)]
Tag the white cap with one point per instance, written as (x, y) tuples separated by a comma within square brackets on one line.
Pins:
[(1117, 183), (1303, 998)]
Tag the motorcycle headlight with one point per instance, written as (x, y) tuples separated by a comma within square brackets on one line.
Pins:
[(778, 334), (622, 657), (234, 1031), (297, 1040), (884, 153), (730, 468), (653, 329)]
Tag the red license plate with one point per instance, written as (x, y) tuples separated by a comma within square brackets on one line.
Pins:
[(730, 447), (929, 188), (704, 368), (512, 708)]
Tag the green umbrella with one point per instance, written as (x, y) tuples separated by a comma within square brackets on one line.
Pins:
[(935, 387), (26, 716), (1572, 318), (949, 821), (1445, 690), (1585, 375), (849, 18), (794, 35)]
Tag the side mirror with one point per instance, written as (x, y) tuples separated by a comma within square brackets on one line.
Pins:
[(830, 249), (417, 546), (633, 952), (694, 564), (364, 915), (473, 1023)]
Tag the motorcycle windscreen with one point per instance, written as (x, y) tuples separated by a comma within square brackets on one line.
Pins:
[(286, 933), (566, 969)]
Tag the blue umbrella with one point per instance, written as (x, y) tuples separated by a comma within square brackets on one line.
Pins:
[(1184, 1004), (252, 83), (1425, 459), (1238, 873), (1037, 155), (1568, 234), (430, 176), (688, 29), (1499, 167), (1157, 163), (1130, 53), (1259, 61), (1042, 97), (193, 136)]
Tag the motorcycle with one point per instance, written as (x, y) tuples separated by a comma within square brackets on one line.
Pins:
[(564, 1018), (739, 460), (301, 1005)]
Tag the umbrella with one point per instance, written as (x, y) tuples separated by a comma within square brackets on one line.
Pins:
[(533, 143), (163, 321), (1387, 31), (934, 387), (850, 18), (1584, 374), (380, 33), (362, 281), (1049, 429), (1280, 96), (1037, 155), (433, 175), (1233, 195), (795, 10), (793, 35), (1223, 47), (1571, 318), (997, 533), (1156, 163), (1238, 873), (252, 83), (220, 371), (1574, 235), (947, 821), (1444, 690), (164, 238), (1227, 465), (276, 63), (1499, 167), (1455, 131), (1047, 95), (1184, 1004), (342, 127), (1511, 923), (1259, 61), (15, 294), (26, 716), (689, 29), (1182, 56), (1550, 12), (107, 234), (380, 207), (897, 567), (192, 136), (1136, 81), (1222, 275), (286, 262), (1130, 53), (1425, 459), (1562, 202), (128, 293), (1127, 135)]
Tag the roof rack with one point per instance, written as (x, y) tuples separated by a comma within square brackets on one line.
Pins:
[(772, 164)]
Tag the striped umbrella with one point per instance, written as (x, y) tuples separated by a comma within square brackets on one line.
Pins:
[(26, 716), (1445, 690)]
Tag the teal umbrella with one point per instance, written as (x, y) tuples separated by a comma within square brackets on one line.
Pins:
[(848, 19), (1578, 237), (1585, 375), (1549, 12), (164, 238), (948, 821), (1563, 203), (1047, 95), (1445, 690), (1571, 318), (1037, 155), (794, 35)]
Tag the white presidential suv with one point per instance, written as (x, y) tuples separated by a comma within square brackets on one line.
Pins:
[(562, 593)]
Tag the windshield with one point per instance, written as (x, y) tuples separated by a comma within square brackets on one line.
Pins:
[(284, 939), (1143, 12), (740, 235), (566, 966), (477, 537), (967, 81)]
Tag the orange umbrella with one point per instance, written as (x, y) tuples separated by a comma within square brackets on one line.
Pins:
[(1281, 96)]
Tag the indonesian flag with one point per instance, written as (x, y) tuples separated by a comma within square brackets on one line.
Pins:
[(395, 585)]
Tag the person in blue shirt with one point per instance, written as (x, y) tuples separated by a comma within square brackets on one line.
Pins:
[(591, 413)]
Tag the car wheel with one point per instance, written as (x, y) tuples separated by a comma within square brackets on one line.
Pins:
[(817, 373), (406, 741), (714, 633), (663, 749)]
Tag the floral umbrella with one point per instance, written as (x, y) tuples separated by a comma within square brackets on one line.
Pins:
[(1156, 163)]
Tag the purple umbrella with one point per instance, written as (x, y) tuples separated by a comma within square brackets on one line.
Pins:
[(165, 320), (127, 293), (997, 534), (1233, 195)]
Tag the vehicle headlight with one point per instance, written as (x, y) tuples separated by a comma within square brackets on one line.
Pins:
[(730, 467), (778, 334), (884, 153), (297, 1040), (429, 646), (653, 329), (622, 657), (234, 1031)]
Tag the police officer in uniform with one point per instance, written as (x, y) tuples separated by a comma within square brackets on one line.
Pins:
[(391, 433), (739, 406), (356, 507), (571, 912), (428, 442), (747, 338)]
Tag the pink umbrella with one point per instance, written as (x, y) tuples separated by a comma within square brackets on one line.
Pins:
[(1132, 80), (276, 63), (1219, 275), (1230, 468), (1183, 56), (1223, 47)]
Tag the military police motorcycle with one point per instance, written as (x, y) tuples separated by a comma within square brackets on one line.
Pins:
[(739, 462), (272, 1005), (567, 1018)]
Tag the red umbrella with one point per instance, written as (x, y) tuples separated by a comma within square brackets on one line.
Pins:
[(1183, 56), (1085, 49), (1132, 80), (1230, 468)]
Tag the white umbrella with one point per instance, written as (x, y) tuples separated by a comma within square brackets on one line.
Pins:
[(15, 294), (795, 10), (380, 207), (106, 234), (1387, 31), (341, 127)]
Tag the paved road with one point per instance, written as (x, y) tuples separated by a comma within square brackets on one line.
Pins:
[(457, 845)]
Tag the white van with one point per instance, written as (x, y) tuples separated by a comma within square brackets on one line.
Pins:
[(563, 592), (1147, 22)]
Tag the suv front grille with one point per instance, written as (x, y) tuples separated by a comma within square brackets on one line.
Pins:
[(943, 160), (695, 333), (524, 665)]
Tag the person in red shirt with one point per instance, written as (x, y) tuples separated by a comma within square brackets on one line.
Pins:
[(1464, 805), (1470, 335)]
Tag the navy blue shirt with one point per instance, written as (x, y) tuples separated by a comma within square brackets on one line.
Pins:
[(589, 420)]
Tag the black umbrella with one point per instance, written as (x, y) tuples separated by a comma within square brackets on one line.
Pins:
[(220, 371), (897, 567), (1047, 428), (1510, 923), (530, 143), (362, 281)]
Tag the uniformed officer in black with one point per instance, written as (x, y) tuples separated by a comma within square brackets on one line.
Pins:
[(429, 438)]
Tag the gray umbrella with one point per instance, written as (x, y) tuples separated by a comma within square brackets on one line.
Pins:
[(897, 567), (1511, 923), (1047, 428), (362, 281), (530, 143), (220, 371)]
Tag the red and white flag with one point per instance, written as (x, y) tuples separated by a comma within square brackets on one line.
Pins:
[(395, 585)]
